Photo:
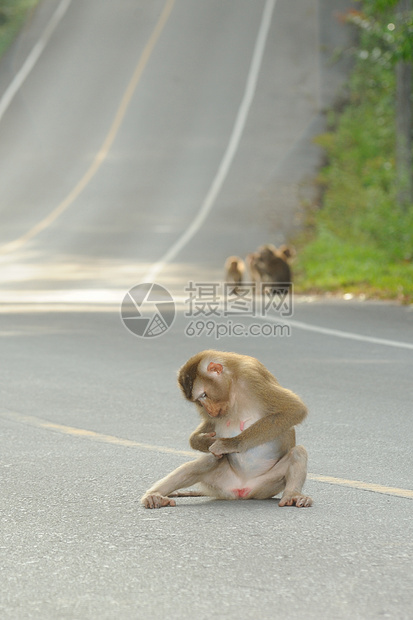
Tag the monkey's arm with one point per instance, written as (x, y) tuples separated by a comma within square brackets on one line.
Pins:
[(203, 437), (266, 429)]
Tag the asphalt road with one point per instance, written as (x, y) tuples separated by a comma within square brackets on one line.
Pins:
[(149, 141)]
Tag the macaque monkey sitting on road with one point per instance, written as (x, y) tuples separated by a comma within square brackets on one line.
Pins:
[(247, 434)]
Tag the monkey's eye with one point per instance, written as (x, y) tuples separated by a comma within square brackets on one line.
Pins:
[(203, 395)]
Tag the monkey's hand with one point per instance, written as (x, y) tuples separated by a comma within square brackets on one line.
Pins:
[(207, 438), (202, 441), (224, 446)]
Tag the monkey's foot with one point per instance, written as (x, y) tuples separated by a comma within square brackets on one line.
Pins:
[(296, 499), (156, 500)]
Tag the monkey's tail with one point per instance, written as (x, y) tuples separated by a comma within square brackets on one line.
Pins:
[(187, 494)]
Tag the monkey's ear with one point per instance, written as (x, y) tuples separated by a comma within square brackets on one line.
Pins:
[(214, 367)]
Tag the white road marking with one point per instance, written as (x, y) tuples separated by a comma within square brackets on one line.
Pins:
[(231, 148), (351, 335), (110, 299), (337, 332)]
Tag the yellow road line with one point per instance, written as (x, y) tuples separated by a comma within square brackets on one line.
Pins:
[(80, 432), (107, 143), (365, 486)]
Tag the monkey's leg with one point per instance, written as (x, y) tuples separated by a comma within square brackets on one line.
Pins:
[(288, 475), (184, 476), (294, 479)]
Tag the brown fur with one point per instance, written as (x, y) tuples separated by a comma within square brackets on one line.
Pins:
[(267, 264), (242, 406), (272, 266)]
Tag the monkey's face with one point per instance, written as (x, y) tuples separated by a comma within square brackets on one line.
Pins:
[(214, 408), (208, 385), (212, 392)]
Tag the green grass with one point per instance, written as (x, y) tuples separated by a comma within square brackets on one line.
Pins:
[(12, 16), (360, 240), (330, 263)]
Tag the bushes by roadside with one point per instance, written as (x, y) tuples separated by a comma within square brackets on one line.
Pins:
[(360, 241)]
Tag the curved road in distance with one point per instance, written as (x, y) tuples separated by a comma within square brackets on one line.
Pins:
[(171, 141), (108, 150)]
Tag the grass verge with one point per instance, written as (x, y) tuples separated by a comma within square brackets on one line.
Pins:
[(360, 241)]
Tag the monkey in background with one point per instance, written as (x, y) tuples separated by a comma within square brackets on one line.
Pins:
[(252, 261), (268, 264), (234, 270), (247, 434), (274, 267), (287, 252)]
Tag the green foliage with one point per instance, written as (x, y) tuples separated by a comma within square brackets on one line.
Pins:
[(387, 28), (362, 241), (339, 265), (12, 15)]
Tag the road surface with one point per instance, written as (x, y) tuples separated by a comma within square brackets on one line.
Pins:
[(145, 142)]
